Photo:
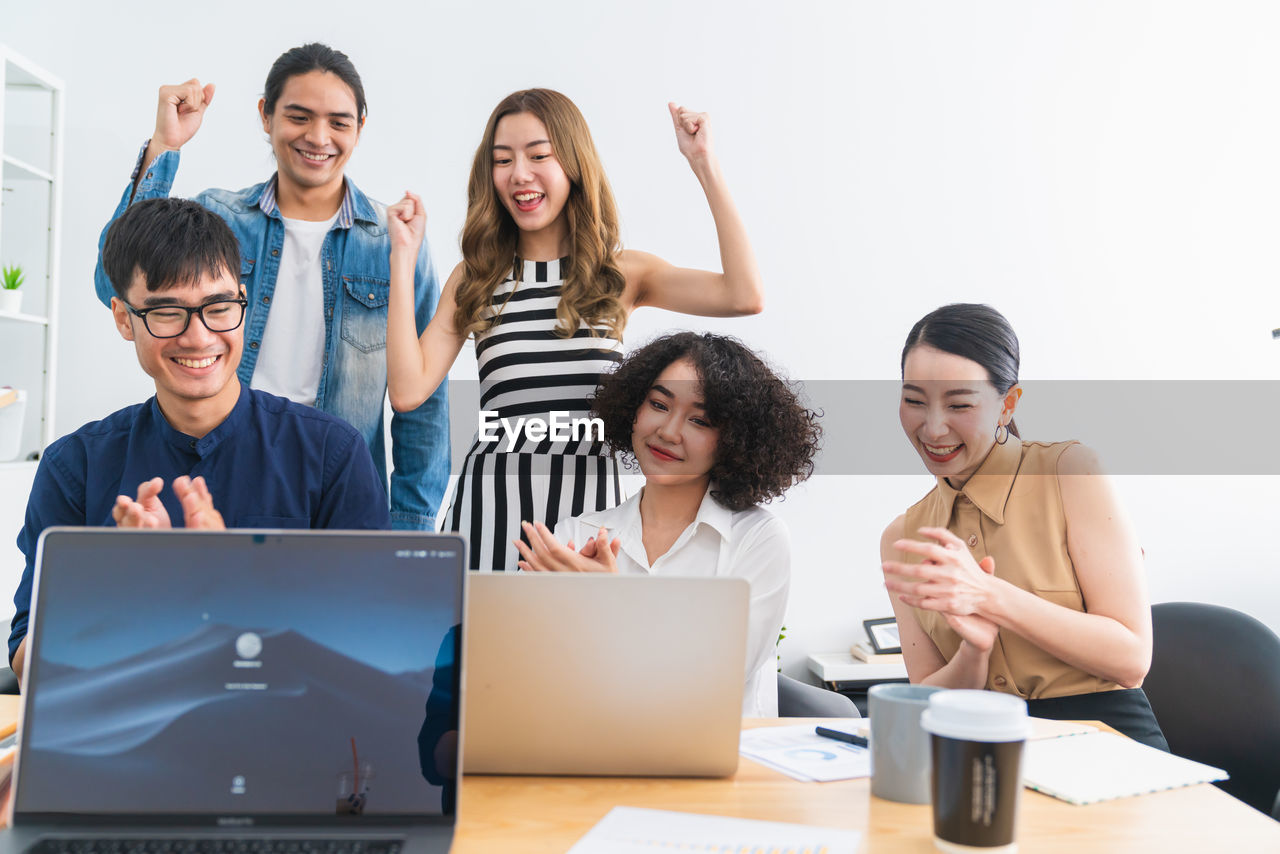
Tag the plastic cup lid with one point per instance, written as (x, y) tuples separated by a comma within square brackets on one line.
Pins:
[(977, 716)]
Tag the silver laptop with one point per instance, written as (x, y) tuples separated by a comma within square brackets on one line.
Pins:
[(616, 675), (290, 690)]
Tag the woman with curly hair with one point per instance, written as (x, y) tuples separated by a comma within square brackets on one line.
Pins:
[(716, 433), (546, 289)]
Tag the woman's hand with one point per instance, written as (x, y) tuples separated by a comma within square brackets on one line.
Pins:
[(948, 580), (693, 132), (739, 290), (407, 224), (978, 632), (545, 553)]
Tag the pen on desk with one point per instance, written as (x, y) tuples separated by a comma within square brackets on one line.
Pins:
[(840, 735)]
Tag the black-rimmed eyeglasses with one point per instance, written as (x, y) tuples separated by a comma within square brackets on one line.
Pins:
[(170, 321)]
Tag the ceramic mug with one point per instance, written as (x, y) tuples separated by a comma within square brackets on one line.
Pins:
[(899, 747)]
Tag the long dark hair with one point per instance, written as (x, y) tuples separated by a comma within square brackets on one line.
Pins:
[(975, 332), (308, 58)]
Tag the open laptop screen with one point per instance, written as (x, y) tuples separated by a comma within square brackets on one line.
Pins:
[(243, 673)]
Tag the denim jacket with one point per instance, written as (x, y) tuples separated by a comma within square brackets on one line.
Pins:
[(357, 285)]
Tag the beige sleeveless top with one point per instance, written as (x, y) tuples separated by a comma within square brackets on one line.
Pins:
[(1011, 509)]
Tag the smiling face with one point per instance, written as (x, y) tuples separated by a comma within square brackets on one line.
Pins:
[(313, 129), (531, 183), (198, 365), (671, 436), (949, 410)]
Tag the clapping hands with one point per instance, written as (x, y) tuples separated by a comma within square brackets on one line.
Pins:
[(545, 553), (949, 581), (147, 511)]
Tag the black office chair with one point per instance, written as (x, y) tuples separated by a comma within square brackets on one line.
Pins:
[(1215, 688), (798, 699)]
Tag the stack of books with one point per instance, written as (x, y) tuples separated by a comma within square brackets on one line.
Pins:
[(863, 652)]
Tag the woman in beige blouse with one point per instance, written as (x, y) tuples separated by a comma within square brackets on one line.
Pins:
[(1019, 571)]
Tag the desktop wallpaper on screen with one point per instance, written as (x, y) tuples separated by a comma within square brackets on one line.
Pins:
[(265, 678)]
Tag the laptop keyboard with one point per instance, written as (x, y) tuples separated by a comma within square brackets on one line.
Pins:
[(216, 846)]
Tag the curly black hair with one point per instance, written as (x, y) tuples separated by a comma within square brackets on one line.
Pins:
[(767, 437)]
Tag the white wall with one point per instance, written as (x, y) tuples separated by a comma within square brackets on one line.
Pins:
[(1104, 173)]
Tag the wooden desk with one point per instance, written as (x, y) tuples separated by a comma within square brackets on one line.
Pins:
[(10, 707), (550, 814)]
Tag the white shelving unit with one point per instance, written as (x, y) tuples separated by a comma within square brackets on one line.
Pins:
[(31, 137), (31, 122)]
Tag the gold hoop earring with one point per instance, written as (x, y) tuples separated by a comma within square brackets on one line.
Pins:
[(1001, 438)]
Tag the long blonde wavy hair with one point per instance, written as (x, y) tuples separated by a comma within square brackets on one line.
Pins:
[(593, 282)]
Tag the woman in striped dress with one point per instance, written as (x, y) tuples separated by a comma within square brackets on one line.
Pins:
[(546, 290)]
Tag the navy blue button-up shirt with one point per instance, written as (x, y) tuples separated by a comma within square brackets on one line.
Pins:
[(270, 464), (356, 273)]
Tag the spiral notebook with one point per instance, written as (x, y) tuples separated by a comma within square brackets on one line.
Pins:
[(1100, 766)]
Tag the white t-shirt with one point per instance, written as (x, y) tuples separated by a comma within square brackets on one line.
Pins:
[(752, 544), (291, 355)]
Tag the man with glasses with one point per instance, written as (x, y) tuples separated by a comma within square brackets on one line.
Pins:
[(206, 451)]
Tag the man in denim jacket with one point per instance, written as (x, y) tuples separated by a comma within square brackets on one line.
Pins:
[(314, 264)]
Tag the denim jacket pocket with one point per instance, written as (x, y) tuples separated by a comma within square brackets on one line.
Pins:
[(364, 312), (246, 272)]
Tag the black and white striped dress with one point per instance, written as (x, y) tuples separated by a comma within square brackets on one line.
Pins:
[(528, 371)]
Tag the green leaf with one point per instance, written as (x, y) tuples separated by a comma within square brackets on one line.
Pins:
[(12, 277)]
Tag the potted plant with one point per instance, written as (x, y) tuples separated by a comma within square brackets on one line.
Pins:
[(10, 297)]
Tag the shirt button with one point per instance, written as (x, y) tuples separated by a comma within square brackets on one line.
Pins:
[(964, 499), (266, 300), (148, 174), (371, 296), (1000, 681), (275, 251), (973, 540), (253, 345), (192, 444)]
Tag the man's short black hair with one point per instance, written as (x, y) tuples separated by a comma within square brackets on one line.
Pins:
[(170, 242)]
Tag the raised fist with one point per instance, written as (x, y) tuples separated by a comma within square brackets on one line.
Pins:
[(179, 112)]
